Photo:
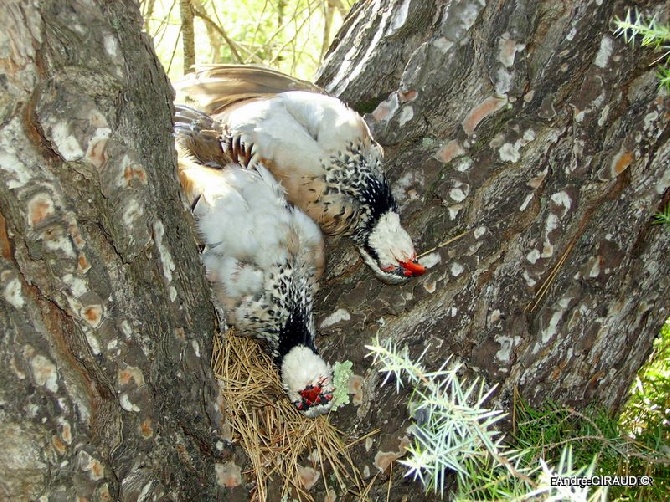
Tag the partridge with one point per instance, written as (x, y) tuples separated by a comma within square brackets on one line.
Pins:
[(263, 257), (320, 150)]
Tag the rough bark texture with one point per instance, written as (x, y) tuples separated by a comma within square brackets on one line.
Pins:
[(106, 389), (528, 128)]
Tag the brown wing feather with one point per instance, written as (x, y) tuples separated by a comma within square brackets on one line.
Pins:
[(199, 151), (216, 87), (332, 212), (199, 136)]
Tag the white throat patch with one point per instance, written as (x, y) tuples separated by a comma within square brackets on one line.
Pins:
[(391, 241), (301, 368)]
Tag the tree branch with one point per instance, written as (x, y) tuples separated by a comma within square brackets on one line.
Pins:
[(188, 31), (234, 48)]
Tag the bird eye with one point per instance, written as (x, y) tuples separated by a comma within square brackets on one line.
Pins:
[(394, 269)]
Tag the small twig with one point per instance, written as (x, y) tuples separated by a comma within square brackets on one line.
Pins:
[(552, 275), (443, 243), (202, 14), (587, 437), (362, 438), (388, 490), (363, 495), (174, 52)]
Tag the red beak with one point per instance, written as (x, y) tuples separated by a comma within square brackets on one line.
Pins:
[(310, 395), (412, 268)]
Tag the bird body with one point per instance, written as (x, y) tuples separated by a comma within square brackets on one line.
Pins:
[(263, 258), (316, 123), (320, 150)]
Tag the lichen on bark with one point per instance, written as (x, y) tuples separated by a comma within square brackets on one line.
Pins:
[(107, 390)]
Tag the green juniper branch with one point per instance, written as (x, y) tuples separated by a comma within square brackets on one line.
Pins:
[(652, 34), (455, 431)]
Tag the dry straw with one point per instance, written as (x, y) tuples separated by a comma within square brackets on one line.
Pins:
[(278, 439)]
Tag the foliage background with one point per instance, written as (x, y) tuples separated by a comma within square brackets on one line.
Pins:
[(289, 35)]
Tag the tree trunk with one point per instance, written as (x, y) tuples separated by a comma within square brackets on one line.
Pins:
[(539, 142), (106, 322)]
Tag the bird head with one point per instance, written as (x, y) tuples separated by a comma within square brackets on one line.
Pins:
[(308, 381), (389, 251)]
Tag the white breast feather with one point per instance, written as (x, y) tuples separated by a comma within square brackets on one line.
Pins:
[(309, 235), (245, 223), (243, 216), (326, 118), (298, 128)]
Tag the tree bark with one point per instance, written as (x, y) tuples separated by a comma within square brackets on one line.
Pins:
[(538, 141), (105, 314)]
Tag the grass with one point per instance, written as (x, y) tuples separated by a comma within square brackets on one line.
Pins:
[(663, 217), (594, 436), (645, 420), (637, 442)]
